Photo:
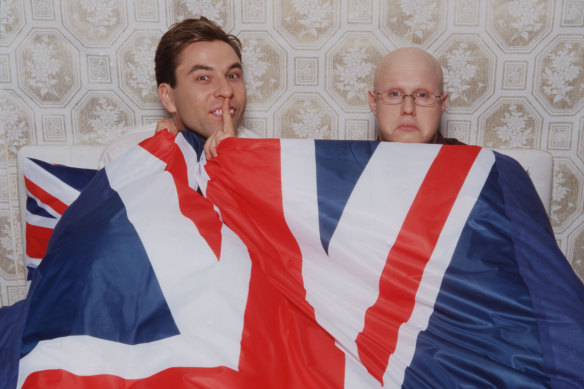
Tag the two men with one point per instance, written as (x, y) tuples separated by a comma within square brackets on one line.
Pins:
[(200, 82)]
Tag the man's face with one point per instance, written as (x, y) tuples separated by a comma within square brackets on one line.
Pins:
[(206, 74), (407, 122)]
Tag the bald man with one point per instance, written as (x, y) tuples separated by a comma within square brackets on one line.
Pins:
[(408, 98)]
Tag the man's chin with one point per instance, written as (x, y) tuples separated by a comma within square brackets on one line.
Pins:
[(406, 137)]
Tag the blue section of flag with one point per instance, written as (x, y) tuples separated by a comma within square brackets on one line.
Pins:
[(338, 167), (195, 141), (32, 206), (557, 294), (96, 278), (77, 178), (12, 321), (30, 270), (483, 330)]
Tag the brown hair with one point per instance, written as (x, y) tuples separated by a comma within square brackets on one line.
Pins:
[(178, 37)]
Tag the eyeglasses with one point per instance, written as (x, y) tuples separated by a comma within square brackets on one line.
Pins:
[(421, 97)]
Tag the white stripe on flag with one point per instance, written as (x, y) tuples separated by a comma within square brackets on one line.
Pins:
[(197, 175), (50, 183), (32, 262), (41, 221), (435, 269), (376, 202)]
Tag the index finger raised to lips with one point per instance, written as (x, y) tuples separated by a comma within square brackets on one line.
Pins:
[(226, 116)]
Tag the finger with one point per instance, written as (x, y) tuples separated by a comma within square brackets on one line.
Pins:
[(207, 152), (206, 148), (227, 119), (161, 125), (213, 150), (172, 128), (214, 145), (210, 146), (227, 131), (166, 124), (226, 116)]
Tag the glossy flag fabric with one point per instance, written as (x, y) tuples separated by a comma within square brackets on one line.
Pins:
[(301, 264), (50, 190)]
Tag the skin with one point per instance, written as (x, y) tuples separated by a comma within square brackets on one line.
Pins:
[(209, 97), (408, 69)]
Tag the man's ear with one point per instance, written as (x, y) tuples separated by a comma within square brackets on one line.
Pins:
[(444, 100), (372, 102), (166, 94)]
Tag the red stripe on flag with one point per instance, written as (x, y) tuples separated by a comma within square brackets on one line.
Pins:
[(37, 240), (401, 276), (302, 354), (45, 197), (179, 377), (191, 204)]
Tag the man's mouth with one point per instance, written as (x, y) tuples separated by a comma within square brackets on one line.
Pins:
[(219, 111), (407, 127)]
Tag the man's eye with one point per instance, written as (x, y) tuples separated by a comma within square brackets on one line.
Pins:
[(422, 94), (234, 75), (395, 93), (203, 78)]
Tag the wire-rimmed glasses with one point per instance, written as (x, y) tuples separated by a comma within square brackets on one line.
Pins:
[(396, 96)]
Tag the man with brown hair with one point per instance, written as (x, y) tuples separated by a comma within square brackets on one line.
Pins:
[(199, 74)]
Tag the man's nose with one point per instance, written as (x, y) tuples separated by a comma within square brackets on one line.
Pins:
[(408, 106), (224, 88)]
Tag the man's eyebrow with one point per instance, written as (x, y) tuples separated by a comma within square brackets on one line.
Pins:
[(235, 65), (197, 67)]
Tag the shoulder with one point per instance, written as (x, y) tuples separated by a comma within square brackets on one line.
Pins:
[(448, 141), (125, 143)]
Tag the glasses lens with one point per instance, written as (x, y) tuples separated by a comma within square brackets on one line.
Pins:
[(392, 96), (422, 97)]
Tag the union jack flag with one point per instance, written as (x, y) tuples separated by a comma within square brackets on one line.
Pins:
[(300, 264), (50, 190)]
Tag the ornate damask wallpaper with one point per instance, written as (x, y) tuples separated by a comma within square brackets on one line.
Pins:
[(81, 71)]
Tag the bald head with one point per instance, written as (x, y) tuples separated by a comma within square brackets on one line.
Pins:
[(410, 62), (408, 71)]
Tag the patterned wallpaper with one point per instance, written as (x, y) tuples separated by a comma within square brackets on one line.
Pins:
[(81, 71)]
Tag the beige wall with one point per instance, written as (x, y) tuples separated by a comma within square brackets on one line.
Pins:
[(81, 71)]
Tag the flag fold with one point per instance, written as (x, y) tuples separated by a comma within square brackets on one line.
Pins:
[(300, 264)]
